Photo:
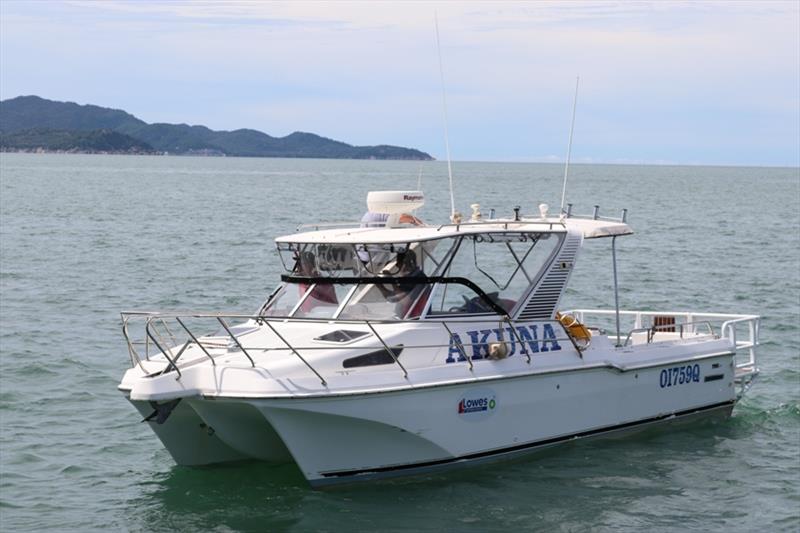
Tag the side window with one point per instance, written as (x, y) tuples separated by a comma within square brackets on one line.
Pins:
[(379, 357), (452, 298), (322, 301), (503, 265), (283, 302)]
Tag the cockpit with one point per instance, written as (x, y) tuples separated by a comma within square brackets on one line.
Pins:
[(468, 274)]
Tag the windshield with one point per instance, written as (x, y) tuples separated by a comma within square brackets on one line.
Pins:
[(503, 265), (467, 274), (325, 283)]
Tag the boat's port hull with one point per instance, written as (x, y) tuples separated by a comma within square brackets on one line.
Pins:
[(346, 438), (187, 437)]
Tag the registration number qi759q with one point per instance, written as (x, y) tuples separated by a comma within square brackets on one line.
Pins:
[(679, 375)]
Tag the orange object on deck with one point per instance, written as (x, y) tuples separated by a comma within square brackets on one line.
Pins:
[(575, 329)]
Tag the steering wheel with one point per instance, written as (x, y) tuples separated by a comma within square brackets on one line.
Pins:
[(474, 305)]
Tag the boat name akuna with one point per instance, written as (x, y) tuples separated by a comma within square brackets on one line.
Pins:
[(479, 340)]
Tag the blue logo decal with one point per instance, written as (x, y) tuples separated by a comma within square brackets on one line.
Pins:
[(477, 404)]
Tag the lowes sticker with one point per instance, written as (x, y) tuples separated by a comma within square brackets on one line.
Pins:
[(476, 343), (477, 404)]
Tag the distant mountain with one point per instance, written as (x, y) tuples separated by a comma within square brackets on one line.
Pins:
[(91, 141), (36, 116)]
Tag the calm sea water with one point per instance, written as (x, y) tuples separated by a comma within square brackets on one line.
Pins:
[(83, 237)]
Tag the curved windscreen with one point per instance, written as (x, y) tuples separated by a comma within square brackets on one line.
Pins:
[(503, 265), (466, 274)]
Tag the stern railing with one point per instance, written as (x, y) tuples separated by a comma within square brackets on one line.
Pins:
[(741, 331)]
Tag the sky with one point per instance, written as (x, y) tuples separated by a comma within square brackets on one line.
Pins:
[(660, 82)]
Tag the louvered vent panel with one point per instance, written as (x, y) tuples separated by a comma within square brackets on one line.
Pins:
[(544, 298)]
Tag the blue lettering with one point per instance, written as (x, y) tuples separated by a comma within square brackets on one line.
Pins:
[(479, 340), (513, 339), (548, 333), (455, 341), (480, 349), (525, 336)]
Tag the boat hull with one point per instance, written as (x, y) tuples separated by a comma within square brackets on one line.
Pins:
[(348, 438), (188, 438)]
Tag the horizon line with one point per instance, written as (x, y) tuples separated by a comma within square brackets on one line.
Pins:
[(421, 161)]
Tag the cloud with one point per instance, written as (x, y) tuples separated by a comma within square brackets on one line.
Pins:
[(703, 71)]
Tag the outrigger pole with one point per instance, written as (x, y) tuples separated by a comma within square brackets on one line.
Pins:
[(569, 145), (444, 113)]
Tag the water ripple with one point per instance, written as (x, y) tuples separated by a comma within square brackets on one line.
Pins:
[(75, 457)]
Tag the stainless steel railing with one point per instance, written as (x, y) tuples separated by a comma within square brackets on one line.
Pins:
[(744, 344), (670, 328), (152, 321)]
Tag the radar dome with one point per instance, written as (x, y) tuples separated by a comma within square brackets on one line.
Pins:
[(394, 202)]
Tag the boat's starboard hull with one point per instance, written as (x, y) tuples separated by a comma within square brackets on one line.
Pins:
[(366, 436)]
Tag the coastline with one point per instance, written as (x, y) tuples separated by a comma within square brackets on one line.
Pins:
[(195, 153)]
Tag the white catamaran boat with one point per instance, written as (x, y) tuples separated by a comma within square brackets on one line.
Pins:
[(395, 348)]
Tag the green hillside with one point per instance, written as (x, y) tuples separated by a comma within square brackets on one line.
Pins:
[(93, 141), (34, 116)]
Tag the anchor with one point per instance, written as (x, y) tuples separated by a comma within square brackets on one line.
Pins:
[(161, 411)]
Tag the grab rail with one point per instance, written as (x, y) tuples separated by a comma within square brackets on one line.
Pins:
[(163, 351), (214, 363), (668, 328), (294, 351), (236, 341), (388, 350), (343, 224), (159, 317), (745, 370)]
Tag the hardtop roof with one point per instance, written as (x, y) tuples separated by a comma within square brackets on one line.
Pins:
[(591, 229)]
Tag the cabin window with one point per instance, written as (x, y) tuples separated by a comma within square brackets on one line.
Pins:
[(492, 271), (307, 300), (327, 260), (402, 296), (503, 265), (378, 357), (322, 299), (380, 259), (386, 301), (283, 302)]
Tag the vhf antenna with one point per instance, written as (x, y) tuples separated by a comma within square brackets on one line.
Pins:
[(444, 113), (569, 145)]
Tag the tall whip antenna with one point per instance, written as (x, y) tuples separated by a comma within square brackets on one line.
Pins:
[(569, 146), (444, 113)]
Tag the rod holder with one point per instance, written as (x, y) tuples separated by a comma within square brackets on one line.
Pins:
[(516, 213), (624, 215), (596, 212), (569, 210)]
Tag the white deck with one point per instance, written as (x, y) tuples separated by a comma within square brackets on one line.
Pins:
[(274, 393)]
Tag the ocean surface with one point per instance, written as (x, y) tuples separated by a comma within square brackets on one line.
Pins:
[(83, 237)]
